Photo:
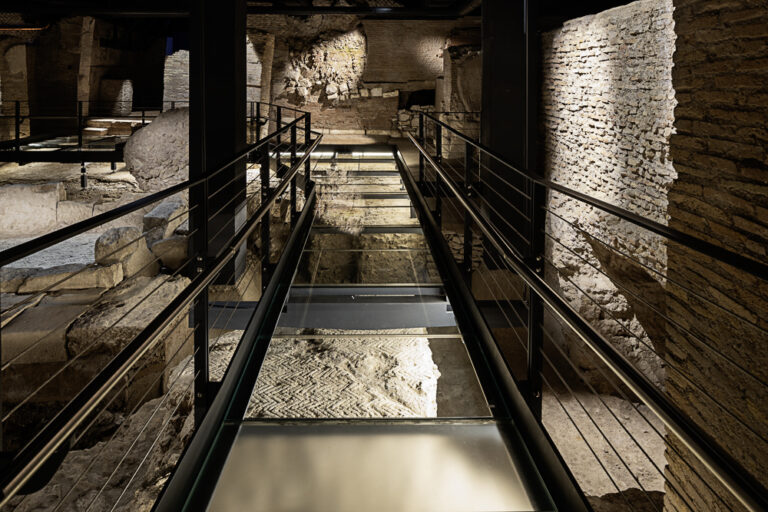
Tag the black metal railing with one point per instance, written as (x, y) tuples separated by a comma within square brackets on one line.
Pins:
[(147, 356), (96, 131), (597, 377)]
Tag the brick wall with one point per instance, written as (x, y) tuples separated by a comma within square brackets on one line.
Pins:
[(720, 152), (13, 86), (606, 117), (176, 77)]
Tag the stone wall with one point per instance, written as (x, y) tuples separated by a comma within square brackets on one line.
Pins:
[(352, 81), (720, 152), (607, 114), (176, 78)]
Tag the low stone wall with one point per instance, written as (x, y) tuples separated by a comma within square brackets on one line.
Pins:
[(607, 114)]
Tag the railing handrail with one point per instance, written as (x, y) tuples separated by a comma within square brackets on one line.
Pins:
[(58, 430), (727, 470), (43, 242), (738, 261)]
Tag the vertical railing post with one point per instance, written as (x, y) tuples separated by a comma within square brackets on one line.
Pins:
[(18, 125), (537, 196), (201, 309), (143, 118), (173, 105), (80, 125), (83, 171), (265, 221), (279, 122), (294, 159), (307, 142), (438, 179), (254, 123), (467, 220), (258, 121), (421, 157)]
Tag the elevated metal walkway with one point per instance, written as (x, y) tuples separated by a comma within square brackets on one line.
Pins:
[(366, 281)]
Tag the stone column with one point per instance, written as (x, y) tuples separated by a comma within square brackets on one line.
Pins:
[(86, 60), (13, 86), (263, 45)]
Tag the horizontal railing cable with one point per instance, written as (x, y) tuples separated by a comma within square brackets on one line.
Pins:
[(43, 242), (575, 368), (655, 271), (47, 441), (730, 473), (739, 261)]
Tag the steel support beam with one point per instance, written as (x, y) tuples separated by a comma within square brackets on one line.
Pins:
[(217, 131)]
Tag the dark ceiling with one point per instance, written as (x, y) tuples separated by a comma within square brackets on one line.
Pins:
[(551, 13)]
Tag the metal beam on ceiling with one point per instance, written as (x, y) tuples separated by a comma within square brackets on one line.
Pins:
[(367, 12)]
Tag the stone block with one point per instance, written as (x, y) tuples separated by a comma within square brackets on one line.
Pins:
[(172, 251), (14, 305), (391, 94), (117, 244), (29, 209), (12, 278), (126, 311), (126, 246), (73, 277), (163, 220), (377, 92), (364, 93), (158, 154), (70, 212), (38, 334)]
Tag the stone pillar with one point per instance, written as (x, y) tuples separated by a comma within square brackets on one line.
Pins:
[(13, 86), (86, 61), (263, 45)]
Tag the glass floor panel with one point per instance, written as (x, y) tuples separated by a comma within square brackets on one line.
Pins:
[(373, 216), (375, 466), (343, 265)]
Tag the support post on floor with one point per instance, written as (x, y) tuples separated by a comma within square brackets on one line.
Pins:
[(265, 221), (509, 102), (467, 263), (536, 205), (438, 179), (307, 143), (294, 159), (421, 157), (218, 131), (278, 125), (17, 113), (80, 125), (258, 121)]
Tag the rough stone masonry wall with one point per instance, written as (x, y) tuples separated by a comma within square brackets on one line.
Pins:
[(607, 114), (720, 152)]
